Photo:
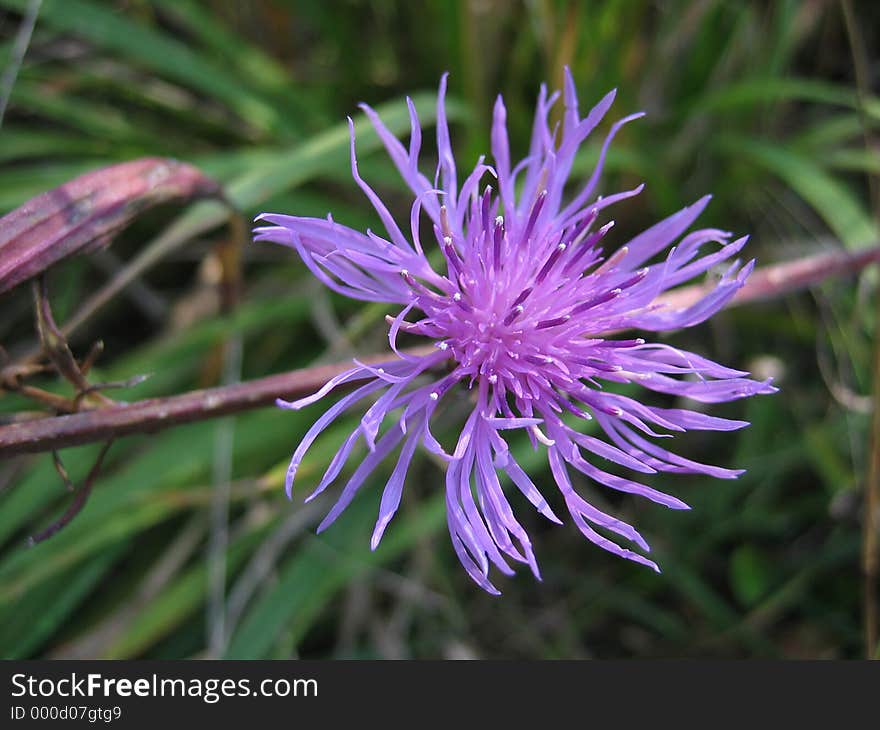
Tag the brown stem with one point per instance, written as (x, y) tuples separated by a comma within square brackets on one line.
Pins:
[(769, 282), (80, 497), (58, 351), (871, 509), (155, 414), (158, 413)]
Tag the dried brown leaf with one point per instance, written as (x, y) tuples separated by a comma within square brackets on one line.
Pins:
[(83, 214)]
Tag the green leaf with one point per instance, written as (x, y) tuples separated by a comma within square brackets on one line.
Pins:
[(323, 566), (326, 151), (841, 210), (750, 575), (108, 29), (854, 160), (92, 119), (249, 63), (26, 624), (132, 498), (177, 602), (769, 90), (18, 143)]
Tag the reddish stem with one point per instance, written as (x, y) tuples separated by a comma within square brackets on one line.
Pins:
[(158, 413)]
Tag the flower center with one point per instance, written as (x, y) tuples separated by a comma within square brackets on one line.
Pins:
[(516, 299)]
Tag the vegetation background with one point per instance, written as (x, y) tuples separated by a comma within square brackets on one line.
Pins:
[(188, 547)]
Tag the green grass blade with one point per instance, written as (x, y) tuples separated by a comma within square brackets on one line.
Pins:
[(831, 199)]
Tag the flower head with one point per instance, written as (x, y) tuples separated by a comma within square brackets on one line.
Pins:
[(521, 312)]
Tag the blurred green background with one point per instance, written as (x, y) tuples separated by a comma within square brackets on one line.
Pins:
[(188, 547)]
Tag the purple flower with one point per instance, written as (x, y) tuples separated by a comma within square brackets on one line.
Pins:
[(520, 313)]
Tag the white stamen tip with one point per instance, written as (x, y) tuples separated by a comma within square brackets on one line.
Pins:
[(457, 296), (404, 272), (434, 395), (493, 378), (539, 434), (562, 247), (447, 240), (442, 346), (499, 221), (380, 371)]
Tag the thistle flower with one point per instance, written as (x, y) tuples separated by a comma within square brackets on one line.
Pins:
[(521, 312)]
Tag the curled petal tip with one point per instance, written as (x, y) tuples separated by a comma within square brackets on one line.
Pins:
[(379, 532), (289, 479), (323, 526), (769, 388)]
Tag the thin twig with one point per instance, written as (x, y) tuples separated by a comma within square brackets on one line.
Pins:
[(156, 414), (871, 516), (78, 502), (224, 438), (231, 354), (149, 416)]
